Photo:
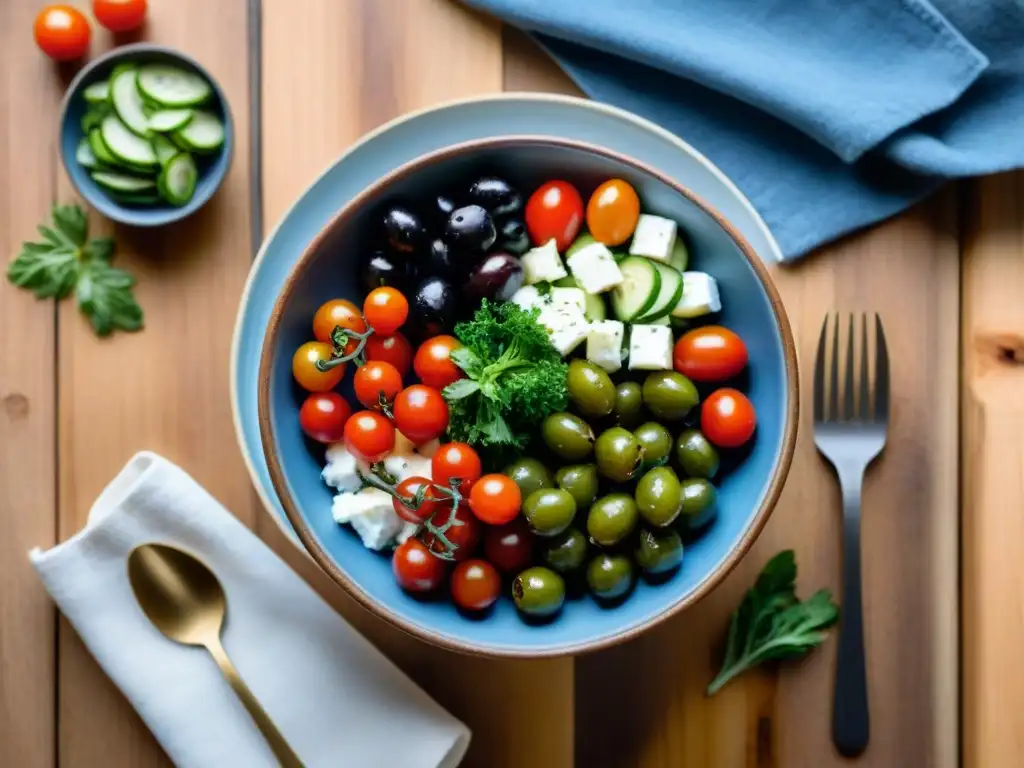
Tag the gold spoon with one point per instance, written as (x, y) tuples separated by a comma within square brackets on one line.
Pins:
[(185, 601)]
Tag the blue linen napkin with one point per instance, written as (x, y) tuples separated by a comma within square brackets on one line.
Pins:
[(829, 114)]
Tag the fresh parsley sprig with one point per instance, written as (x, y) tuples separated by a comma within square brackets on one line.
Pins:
[(772, 622), (67, 260)]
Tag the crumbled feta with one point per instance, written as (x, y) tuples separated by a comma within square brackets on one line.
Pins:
[(700, 296), (568, 296), (543, 264), (528, 297), (650, 348), (604, 344), (594, 268), (371, 515), (342, 468), (566, 324), (653, 237)]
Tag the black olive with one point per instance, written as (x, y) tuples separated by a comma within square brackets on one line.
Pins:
[(384, 269), (495, 196), (470, 229), (443, 207), (440, 260), (404, 230), (434, 307), (496, 278), (514, 237)]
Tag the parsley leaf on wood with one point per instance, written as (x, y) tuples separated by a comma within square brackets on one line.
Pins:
[(66, 260), (772, 622)]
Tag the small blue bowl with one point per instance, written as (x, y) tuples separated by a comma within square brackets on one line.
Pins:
[(212, 168), (747, 493)]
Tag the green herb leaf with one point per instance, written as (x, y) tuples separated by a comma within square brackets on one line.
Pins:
[(460, 389), (772, 622)]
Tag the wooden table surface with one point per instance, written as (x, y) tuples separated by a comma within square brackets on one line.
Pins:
[(946, 276)]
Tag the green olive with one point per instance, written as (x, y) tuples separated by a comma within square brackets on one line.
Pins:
[(549, 511), (568, 436), (698, 500), (696, 455), (669, 395), (530, 475), (659, 496), (618, 454), (538, 591), (659, 550), (612, 518), (629, 404), (580, 480), (567, 551), (610, 576), (590, 388), (656, 442)]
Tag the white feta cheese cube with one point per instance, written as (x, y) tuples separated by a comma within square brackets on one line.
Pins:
[(604, 344), (594, 268), (543, 264), (566, 324), (408, 531), (650, 348), (653, 237), (371, 515), (568, 296), (527, 297), (342, 468), (700, 296)]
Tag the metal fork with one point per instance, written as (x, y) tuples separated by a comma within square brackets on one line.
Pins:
[(850, 434)]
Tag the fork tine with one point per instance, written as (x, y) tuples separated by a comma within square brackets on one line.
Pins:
[(865, 393), (848, 379), (819, 374), (881, 373), (833, 395)]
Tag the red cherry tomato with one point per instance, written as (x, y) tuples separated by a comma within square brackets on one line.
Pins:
[(555, 210), (119, 15), (338, 313), (369, 436), (304, 369), (727, 418), (495, 499), (394, 349), (62, 32), (433, 362), (323, 416), (385, 309), (456, 460), (408, 488), (375, 380), (475, 585), (421, 414), (612, 212), (711, 353), (464, 533), (415, 569), (509, 546)]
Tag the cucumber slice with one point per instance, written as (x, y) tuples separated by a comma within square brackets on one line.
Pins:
[(137, 199), (165, 149), (124, 95), (84, 155), (167, 120), (94, 116), (594, 307), (126, 146), (100, 149), (204, 133), (122, 182), (638, 291), (177, 182), (680, 255), (669, 295), (173, 87), (97, 93)]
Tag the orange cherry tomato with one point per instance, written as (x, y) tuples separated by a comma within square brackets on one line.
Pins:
[(421, 413), (394, 349), (555, 210), (338, 313), (119, 15), (369, 436), (456, 460), (415, 569), (495, 499), (727, 418), (711, 353), (304, 369), (375, 380), (431, 502), (612, 212), (464, 532), (323, 416), (475, 585), (433, 362), (62, 32), (385, 309)]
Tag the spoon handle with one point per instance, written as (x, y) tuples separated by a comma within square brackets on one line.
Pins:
[(282, 751)]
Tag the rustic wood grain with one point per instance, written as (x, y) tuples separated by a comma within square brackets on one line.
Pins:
[(993, 472), (643, 704), (27, 425), (362, 63), (165, 388)]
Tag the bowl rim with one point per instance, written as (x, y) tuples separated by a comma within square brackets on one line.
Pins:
[(109, 208), (324, 560)]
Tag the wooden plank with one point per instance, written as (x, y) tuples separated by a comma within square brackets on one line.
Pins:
[(993, 471), (643, 704), (28, 501), (330, 74), (166, 388)]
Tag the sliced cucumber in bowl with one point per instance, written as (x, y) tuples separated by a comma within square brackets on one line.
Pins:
[(84, 155), (639, 289), (669, 293), (172, 86), (127, 101), (125, 145), (97, 93), (165, 149), (122, 182), (204, 133), (177, 181), (168, 120)]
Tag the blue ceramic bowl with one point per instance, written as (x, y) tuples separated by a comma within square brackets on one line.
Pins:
[(747, 493), (212, 168)]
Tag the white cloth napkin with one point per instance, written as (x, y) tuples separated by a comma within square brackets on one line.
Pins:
[(335, 698)]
